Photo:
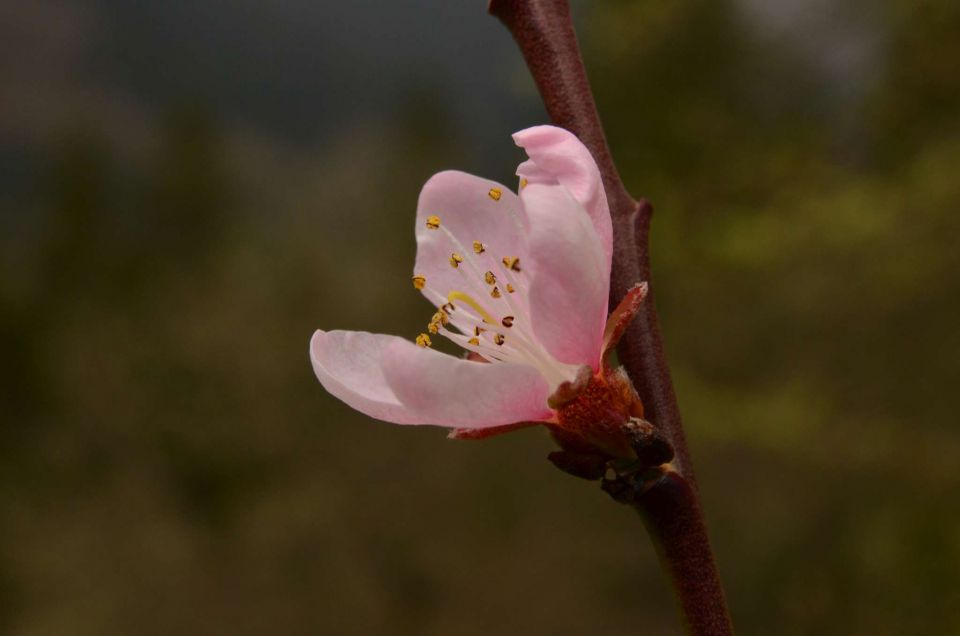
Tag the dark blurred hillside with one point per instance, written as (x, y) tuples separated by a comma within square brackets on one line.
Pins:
[(189, 191)]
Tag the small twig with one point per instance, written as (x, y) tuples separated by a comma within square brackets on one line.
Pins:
[(670, 505)]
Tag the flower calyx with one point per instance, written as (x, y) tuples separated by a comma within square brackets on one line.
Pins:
[(623, 478), (568, 391)]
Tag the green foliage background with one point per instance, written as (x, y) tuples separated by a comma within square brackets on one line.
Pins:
[(169, 464)]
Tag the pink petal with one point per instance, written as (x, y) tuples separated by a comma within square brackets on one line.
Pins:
[(459, 393), (465, 207), (348, 364), (557, 156), (569, 276)]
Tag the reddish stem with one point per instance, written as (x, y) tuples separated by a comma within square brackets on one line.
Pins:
[(544, 31)]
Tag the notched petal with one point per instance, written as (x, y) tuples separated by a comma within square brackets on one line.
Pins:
[(558, 156)]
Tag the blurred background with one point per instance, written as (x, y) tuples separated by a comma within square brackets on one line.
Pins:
[(189, 189)]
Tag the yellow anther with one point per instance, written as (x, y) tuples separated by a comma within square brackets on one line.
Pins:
[(474, 341), (433, 222), (423, 340), (479, 248), (512, 262), (507, 321), (433, 327), (459, 295), (510, 288), (490, 278), (441, 317), (495, 193), (524, 183), (499, 338), (419, 282), (495, 292), (455, 259)]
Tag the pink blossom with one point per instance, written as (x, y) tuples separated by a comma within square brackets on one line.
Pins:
[(519, 280)]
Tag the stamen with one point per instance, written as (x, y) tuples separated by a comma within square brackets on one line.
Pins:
[(495, 193), (524, 183), (519, 350), (488, 350), (419, 282), (433, 222), (439, 318), (459, 295), (507, 276), (423, 340), (523, 347), (447, 308), (472, 263)]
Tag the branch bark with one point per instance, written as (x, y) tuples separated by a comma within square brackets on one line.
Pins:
[(543, 30)]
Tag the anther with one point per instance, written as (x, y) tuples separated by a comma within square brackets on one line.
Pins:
[(419, 282), (495, 292), (507, 321), (479, 248), (441, 317), (477, 331), (433, 222), (512, 262), (510, 288), (474, 341), (455, 259), (495, 193), (423, 340), (433, 327), (499, 338), (447, 308), (524, 183), (490, 278)]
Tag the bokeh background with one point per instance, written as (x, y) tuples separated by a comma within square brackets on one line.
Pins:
[(189, 189)]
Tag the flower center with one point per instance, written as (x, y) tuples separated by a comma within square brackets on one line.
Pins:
[(490, 311)]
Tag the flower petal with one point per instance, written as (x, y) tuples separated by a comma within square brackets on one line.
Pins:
[(472, 209), (569, 278), (557, 156), (460, 393), (348, 364)]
